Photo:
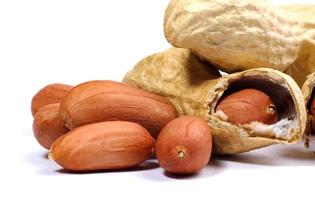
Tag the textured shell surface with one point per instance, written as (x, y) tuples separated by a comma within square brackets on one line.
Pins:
[(234, 35)]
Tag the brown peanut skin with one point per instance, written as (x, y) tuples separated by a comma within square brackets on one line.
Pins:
[(50, 94), (103, 146), (48, 125), (98, 101), (248, 105), (190, 136)]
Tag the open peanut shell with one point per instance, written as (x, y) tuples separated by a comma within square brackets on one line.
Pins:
[(285, 93), (309, 94), (195, 89)]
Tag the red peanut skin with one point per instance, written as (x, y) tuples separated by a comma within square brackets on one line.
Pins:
[(50, 94), (48, 125), (246, 106), (103, 146), (98, 101), (190, 135)]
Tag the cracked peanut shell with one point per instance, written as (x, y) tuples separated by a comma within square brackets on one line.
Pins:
[(196, 90)]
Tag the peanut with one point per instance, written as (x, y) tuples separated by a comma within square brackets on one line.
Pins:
[(184, 145), (50, 94), (103, 146), (249, 105), (98, 101), (48, 125)]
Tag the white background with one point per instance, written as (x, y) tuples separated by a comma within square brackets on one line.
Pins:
[(65, 41)]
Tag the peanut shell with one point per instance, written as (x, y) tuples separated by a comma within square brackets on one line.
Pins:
[(236, 35), (196, 91)]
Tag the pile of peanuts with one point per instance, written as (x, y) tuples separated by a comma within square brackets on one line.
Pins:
[(109, 125)]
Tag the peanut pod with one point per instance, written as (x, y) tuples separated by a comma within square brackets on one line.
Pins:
[(237, 35), (194, 90), (305, 62)]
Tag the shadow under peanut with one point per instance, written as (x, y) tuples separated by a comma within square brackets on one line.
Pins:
[(180, 176), (148, 165), (277, 155), (45, 155), (214, 168), (39, 160), (44, 166)]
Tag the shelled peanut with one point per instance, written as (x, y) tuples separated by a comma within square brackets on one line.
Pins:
[(103, 146), (97, 101), (47, 123), (99, 125), (184, 145), (49, 94), (248, 105)]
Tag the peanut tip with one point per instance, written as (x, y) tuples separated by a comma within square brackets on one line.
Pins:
[(181, 155), (271, 109), (50, 156)]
